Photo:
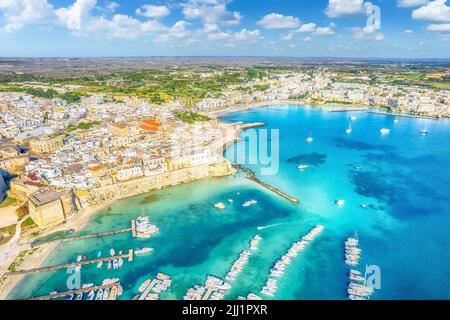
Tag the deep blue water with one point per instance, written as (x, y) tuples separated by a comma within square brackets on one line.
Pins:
[(403, 179)]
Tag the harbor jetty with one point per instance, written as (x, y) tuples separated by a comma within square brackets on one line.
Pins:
[(77, 238), (128, 256), (251, 176), (252, 125), (140, 228), (57, 295)]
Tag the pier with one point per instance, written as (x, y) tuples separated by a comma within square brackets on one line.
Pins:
[(147, 290), (251, 176), (89, 236), (128, 256), (76, 291), (253, 125)]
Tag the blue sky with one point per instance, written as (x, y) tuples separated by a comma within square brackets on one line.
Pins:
[(298, 28)]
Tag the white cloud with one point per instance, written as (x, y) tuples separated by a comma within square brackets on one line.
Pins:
[(444, 27), (367, 33), (408, 31), (307, 27), (288, 37), (210, 11), (411, 3), (436, 10), (248, 36), (19, 13), (177, 32), (341, 8), (315, 30), (111, 6), (324, 31), (279, 21), (76, 16), (154, 12), (123, 27)]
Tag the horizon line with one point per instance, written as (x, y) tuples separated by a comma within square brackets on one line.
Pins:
[(224, 56)]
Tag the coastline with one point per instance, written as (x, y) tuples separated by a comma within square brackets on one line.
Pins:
[(330, 107)]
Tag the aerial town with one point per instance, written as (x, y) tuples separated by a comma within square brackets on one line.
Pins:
[(59, 156)]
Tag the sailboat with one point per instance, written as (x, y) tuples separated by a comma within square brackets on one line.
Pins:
[(310, 138), (424, 131), (349, 129)]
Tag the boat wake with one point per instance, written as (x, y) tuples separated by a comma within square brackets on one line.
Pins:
[(271, 226)]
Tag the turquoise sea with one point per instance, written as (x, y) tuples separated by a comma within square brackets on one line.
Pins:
[(402, 177)]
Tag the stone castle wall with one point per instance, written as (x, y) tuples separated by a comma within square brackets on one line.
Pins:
[(146, 184)]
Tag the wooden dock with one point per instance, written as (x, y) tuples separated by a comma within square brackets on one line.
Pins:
[(89, 236), (147, 290), (128, 256), (76, 291), (208, 294), (251, 176)]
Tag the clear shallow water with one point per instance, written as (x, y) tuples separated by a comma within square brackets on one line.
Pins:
[(404, 180)]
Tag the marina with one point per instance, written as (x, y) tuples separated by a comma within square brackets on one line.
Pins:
[(357, 289), (271, 286), (151, 289), (352, 252), (213, 289)]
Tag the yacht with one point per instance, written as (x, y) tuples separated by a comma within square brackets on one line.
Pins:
[(99, 295), (249, 203), (143, 251), (424, 131), (70, 297), (219, 205), (310, 138), (385, 131), (340, 202), (91, 295), (106, 294), (349, 129), (113, 294), (353, 118), (302, 167)]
